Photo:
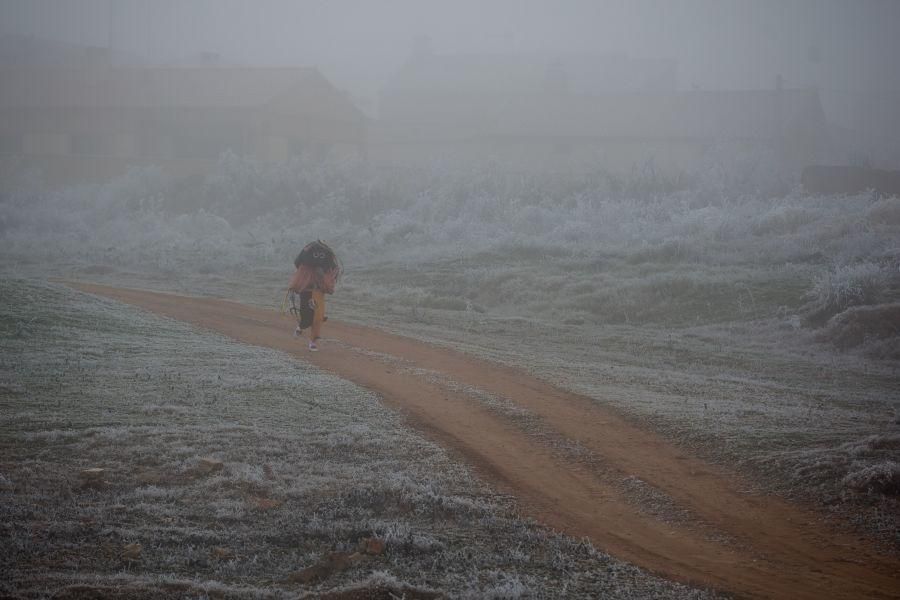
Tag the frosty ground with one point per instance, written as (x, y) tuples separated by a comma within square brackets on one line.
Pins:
[(311, 465), (756, 325)]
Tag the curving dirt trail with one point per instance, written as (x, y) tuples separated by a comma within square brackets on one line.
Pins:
[(574, 464)]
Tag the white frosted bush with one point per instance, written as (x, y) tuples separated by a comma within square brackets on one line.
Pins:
[(782, 220), (502, 586), (848, 285), (880, 478)]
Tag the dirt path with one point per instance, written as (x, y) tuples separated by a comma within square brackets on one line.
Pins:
[(574, 464)]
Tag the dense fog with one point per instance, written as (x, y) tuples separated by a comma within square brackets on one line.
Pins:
[(731, 44), (841, 48), (643, 159)]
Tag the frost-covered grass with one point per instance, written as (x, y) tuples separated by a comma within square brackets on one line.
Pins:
[(586, 247), (760, 329), (860, 284), (310, 464)]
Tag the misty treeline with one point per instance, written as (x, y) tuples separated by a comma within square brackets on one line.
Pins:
[(595, 239)]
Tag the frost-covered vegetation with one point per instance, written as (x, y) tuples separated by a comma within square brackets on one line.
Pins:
[(230, 469), (752, 322), (717, 247)]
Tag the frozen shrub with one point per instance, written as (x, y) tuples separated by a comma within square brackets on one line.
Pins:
[(499, 586), (782, 220), (846, 286), (868, 464), (878, 478)]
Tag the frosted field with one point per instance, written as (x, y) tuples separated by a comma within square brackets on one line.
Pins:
[(572, 249), (755, 324), (310, 465)]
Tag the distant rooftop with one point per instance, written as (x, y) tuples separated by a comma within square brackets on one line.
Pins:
[(295, 90)]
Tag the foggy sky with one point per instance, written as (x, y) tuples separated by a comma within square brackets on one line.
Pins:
[(719, 44)]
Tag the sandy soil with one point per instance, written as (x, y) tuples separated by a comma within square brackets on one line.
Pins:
[(575, 464)]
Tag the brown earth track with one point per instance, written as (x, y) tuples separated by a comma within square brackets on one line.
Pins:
[(773, 550)]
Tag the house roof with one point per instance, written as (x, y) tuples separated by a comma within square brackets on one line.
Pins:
[(288, 90), (764, 114)]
